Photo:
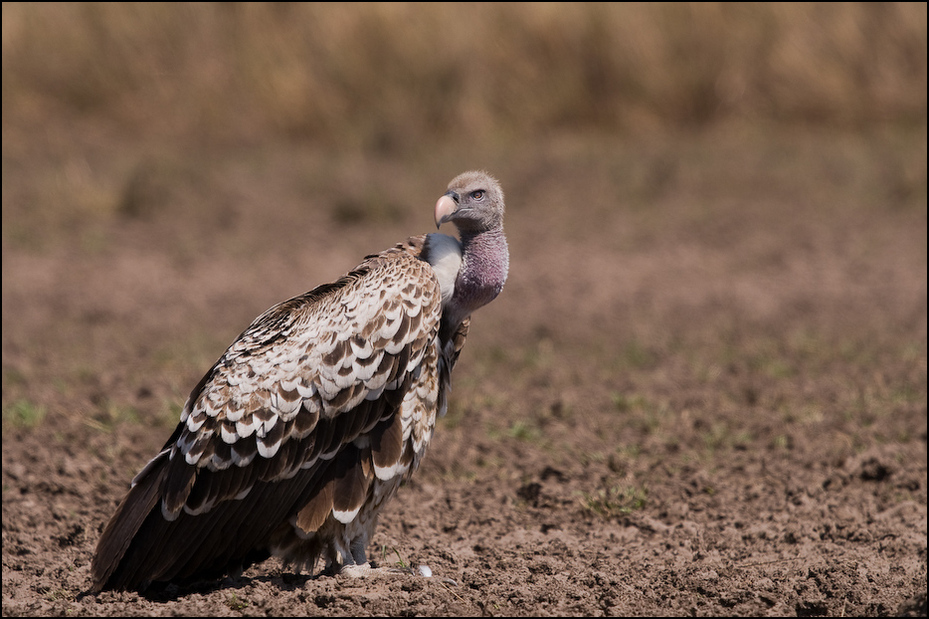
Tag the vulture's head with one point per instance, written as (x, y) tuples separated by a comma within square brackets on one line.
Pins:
[(473, 202)]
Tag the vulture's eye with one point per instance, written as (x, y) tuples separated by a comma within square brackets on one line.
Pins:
[(478, 195)]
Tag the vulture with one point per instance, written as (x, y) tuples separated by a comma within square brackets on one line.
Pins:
[(295, 440)]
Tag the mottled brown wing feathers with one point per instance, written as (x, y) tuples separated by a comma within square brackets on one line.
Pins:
[(352, 478), (142, 500), (387, 446), (268, 431), (314, 513)]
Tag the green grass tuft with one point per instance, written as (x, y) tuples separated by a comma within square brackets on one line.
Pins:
[(619, 500), (23, 414)]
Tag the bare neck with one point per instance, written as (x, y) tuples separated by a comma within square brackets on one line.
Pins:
[(485, 263)]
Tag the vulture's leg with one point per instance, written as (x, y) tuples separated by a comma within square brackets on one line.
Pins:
[(359, 568)]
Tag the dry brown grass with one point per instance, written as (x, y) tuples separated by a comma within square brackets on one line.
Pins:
[(392, 75)]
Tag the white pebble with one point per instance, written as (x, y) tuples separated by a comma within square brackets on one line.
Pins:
[(425, 571)]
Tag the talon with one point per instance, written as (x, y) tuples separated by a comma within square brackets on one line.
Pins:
[(356, 571)]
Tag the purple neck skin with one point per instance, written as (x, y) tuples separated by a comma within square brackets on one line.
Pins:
[(485, 262)]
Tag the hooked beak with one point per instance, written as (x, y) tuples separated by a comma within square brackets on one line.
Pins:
[(445, 208)]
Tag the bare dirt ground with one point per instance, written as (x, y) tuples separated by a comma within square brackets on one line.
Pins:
[(703, 391)]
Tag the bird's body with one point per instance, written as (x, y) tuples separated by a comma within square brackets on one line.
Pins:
[(306, 426)]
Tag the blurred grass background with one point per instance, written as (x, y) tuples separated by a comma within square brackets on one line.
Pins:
[(160, 158), (400, 75)]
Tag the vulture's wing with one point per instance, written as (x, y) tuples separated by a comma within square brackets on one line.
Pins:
[(298, 415)]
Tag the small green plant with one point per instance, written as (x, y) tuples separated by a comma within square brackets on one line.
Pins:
[(400, 562), (647, 416), (524, 431), (53, 595), (614, 501), (112, 414), (23, 414), (234, 603)]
